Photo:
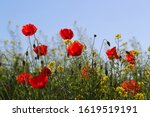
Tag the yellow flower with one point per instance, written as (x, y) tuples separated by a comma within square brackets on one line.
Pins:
[(118, 36), (51, 64), (105, 78), (53, 72), (67, 41), (139, 96), (53, 50), (60, 68), (94, 53), (121, 91), (148, 48), (135, 52), (141, 83)]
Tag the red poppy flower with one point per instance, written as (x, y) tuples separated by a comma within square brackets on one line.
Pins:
[(66, 33), (85, 72), (29, 30), (131, 86), (24, 78), (39, 82), (41, 50), (112, 53), (130, 58), (46, 71), (75, 49)]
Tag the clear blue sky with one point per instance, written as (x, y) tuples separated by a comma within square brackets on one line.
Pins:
[(102, 17)]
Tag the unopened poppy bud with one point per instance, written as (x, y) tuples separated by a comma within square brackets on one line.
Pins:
[(108, 43), (80, 65), (34, 45), (95, 64), (27, 53), (127, 52), (38, 57), (95, 35), (42, 63), (23, 63)]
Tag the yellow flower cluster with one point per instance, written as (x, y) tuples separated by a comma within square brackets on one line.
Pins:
[(141, 83), (118, 36), (135, 52), (139, 96), (51, 64), (60, 68), (103, 84), (147, 73), (129, 67), (121, 91)]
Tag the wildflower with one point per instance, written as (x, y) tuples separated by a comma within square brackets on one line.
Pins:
[(131, 86), (29, 30), (24, 78), (67, 41), (130, 58), (112, 53), (85, 72), (41, 50), (130, 66), (139, 96), (141, 83), (94, 53), (46, 71), (135, 52), (148, 48), (66, 33), (118, 36), (39, 81), (60, 68), (53, 72), (51, 64), (121, 91), (75, 49), (124, 44)]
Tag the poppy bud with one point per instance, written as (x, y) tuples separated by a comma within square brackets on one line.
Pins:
[(94, 64), (80, 65), (127, 52), (42, 63), (67, 54), (27, 53), (37, 57), (95, 35), (34, 45), (108, 43), (23, 63)]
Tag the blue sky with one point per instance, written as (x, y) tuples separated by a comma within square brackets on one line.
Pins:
[(102, 17)]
